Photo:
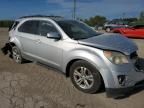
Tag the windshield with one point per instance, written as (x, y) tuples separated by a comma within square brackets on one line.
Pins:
[(77, 30)]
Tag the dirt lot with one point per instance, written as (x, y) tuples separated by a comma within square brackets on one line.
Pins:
[(32, 86)]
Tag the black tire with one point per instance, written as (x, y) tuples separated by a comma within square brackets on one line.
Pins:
[(97, 79), (16, 55)]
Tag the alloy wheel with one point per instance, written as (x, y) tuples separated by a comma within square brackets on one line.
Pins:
[(83, 77), (16, 55)]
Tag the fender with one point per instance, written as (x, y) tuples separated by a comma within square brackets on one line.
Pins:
[(92, 58), (83, 55), (16, 42)]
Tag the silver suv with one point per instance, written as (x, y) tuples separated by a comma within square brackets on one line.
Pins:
[(91, 59)]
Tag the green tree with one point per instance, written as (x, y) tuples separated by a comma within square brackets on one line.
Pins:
[(96, 20), (140, 21), (6, 23)]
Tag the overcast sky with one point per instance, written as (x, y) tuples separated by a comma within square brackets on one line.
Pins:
[(11, 9)]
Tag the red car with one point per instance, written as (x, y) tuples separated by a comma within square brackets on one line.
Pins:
[(131, 32)]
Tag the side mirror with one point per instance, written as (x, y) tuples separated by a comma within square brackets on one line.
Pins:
[(53, 35)]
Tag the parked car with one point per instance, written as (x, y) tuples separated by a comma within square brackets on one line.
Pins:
[(108, 26), (89, 58), (131, 32)]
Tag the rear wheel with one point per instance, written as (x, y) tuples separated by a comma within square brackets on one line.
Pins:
[(85, 77), (17, 55)]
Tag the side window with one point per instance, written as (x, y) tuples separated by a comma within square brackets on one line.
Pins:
[(46, 27), (29, 27)]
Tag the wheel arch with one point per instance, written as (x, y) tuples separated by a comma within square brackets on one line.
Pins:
[(89, 56), (67, 70), (69, 65), (12, 44), (15, 42)]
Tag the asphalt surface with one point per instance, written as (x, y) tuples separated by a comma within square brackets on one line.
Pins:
[(32, 86)]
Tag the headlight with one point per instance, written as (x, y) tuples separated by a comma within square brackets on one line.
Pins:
[(116, 57)]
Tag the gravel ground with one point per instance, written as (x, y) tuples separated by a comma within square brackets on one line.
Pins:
[(33, 86)]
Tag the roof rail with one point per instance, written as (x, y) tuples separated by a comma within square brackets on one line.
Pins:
[(43, 16)]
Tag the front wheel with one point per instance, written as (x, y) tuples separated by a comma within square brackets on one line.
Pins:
[(85, 77)]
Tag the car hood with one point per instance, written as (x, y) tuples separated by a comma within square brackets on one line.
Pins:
[(110, 41)]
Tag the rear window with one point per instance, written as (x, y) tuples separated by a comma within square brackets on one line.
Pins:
[(29, 27), (14, 25)]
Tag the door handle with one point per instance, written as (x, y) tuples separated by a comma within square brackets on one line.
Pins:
[(38, 41)]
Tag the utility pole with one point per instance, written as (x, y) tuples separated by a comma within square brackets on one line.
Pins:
[(74, 11)]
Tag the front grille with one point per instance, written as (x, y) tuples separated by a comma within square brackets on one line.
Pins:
[(139, 64), (140, 83), (133, 55)]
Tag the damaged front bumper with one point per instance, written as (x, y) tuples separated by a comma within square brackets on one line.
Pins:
[(136, 79), (122, 92)]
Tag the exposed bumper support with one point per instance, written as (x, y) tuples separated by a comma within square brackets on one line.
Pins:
[(7, 49)]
